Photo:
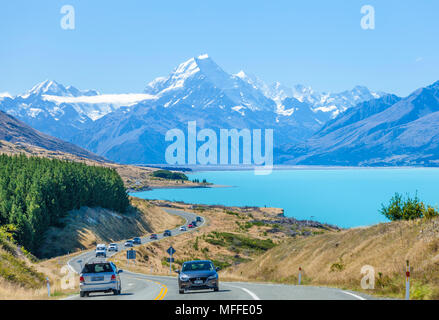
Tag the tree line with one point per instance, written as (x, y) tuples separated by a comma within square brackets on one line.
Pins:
[(35, 193)]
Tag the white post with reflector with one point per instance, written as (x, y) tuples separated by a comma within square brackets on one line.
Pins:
[(48, 286), (300, 275), (407, 281)]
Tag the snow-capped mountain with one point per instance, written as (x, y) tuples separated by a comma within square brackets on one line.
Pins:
[(201, 83), (64, 111), (384, 131), (130, 128), (327, 105)]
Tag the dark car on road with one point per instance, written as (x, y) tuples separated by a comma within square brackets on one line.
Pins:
[(153, 236), (194, 223), (199, 219), (137, 240), (129, 243), (167, 233), (197, 275)]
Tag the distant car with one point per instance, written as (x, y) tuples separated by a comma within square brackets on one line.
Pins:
[(183, 228), (137, 240), (167, 233), (190, 226), (113, 247), (99, 277), (197, 275), (101, 251), (194, 223), (153, 236), (199, 219), (129, 243)]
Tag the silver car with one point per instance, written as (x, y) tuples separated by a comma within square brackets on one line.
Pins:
[(99, 277)]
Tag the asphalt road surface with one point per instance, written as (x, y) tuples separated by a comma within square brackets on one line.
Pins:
[(136, 286)]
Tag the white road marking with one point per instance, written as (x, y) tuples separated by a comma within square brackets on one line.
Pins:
[(354, 295), (251, 294)]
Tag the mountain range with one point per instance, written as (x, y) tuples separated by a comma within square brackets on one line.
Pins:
[(385, 131), (353, 127), (19, 133)]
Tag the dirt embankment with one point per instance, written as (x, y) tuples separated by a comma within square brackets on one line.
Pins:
[(84, 228)]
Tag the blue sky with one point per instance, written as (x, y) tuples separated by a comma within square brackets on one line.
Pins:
[(119, 46)]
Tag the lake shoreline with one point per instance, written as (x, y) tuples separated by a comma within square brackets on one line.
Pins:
[(199, 168)]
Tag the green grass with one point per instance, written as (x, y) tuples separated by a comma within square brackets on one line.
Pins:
[(16, 271), (237, 242)]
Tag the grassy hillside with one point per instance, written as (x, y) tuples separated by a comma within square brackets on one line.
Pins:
[(22, 276), (336, 259), (230, 236), (86, 227)]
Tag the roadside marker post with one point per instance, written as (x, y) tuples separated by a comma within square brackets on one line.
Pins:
[(48, 286), (171, 252), (407, 281), (300, 275)]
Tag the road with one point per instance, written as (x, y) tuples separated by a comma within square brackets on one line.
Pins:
[(148, 287)]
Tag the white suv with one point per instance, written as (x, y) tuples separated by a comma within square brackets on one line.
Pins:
[(101, 251)]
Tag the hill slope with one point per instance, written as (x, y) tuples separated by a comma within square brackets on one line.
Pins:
[(17, 132), (336, 259)]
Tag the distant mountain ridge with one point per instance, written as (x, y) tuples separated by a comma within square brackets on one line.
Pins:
[(385, 131), (17, 132)]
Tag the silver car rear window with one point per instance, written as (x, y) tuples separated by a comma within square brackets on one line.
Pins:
[(97, 268)]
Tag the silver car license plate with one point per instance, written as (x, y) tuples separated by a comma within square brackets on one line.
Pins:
[(97, 278)]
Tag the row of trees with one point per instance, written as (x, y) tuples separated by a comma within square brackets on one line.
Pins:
[(36, 193), (166, 174), (407, 208)]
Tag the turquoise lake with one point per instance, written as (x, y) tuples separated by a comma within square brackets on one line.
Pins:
[(344, 197)]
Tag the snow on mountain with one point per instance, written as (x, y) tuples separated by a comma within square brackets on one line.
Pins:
[(97, 106), (130, 127), (201, 83), (64, 111), (384, 131), (331, 104)]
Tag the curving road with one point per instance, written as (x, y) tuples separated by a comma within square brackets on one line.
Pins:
[(147, 287)]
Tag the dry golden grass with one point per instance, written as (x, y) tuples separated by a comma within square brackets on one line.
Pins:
[(82, 232), (193, 245), (336, 259), (87, 227)]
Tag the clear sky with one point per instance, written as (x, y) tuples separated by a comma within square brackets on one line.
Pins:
[(119, 46)]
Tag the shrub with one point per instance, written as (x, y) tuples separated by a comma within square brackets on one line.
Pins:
[(408, 208)]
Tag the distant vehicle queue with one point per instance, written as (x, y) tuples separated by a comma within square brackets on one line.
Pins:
[(104, 276)]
